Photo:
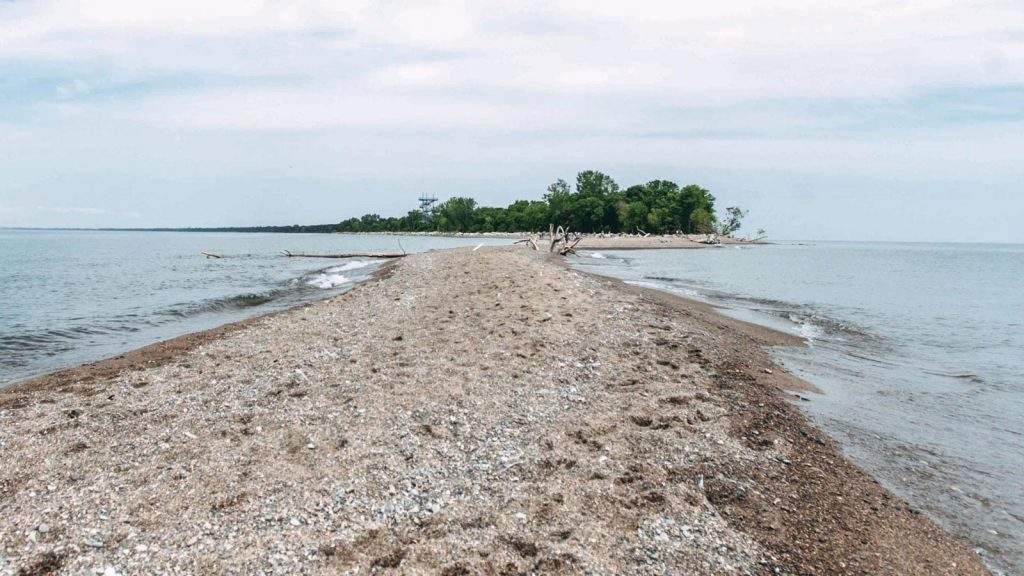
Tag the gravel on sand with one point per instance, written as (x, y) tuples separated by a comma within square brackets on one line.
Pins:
[(487, 411)]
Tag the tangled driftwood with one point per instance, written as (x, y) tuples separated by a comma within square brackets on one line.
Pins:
[(561, 235)]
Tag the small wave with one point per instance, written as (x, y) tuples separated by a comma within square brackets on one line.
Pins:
[(248, 300), (598, 255), (808, 330), (354, 265), (326, 281), (662, 278), (973, 378), (237, 302)]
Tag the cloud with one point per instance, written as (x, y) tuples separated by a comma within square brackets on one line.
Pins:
[(727, 49), (190, 94), (84, 211)]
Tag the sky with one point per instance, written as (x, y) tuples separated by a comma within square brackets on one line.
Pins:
[(848, 120)]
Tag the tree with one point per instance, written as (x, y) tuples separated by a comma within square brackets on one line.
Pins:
[(701, 222), (591, 183), (559, 199), (456, 214), (597, 204), (733, 222)]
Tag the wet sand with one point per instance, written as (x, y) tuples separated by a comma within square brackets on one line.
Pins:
[(486, 411)]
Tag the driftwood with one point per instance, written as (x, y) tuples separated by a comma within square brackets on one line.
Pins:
[(571, 248), (529, 241), (561, 240), (561, 235), (353, 255), (211, 255)]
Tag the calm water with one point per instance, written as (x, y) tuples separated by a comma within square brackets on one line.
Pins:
[(917, 348), (68, 297)]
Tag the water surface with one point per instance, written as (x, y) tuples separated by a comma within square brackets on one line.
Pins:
[(68, 297), (919, 352)]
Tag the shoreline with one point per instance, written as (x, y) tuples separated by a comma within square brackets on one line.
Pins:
[(151, 355), (518, 339), (592, 241)]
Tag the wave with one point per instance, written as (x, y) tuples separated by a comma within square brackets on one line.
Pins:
[(353, 265), (326, 281), (970, 377), (807, 322), (23, 345)]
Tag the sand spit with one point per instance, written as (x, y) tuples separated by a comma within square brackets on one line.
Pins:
[(674, 241), (593, 241), (486, 411)]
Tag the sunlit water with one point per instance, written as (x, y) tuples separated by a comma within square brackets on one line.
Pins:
[(917, 348), (68, 297)]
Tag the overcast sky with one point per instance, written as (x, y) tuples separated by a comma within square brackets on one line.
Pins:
[(863, 120)]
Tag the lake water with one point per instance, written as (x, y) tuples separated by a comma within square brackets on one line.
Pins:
[(918, 350), (68, 297)]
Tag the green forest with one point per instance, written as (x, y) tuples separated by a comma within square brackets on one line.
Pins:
[(595, 204)]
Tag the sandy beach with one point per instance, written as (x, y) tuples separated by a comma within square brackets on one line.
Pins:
[(487, 411)]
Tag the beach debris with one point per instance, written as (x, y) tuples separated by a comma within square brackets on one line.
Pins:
[(211, 255), (388, 255), (561, 235), (530, 241)]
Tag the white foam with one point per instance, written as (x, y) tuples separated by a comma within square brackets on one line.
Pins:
[(597, 255), (807, 330), (354, 265), (326, 281)]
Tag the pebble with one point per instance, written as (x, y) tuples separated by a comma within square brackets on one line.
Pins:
[(467, 447)]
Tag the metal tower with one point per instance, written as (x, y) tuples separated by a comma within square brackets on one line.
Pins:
[(427, 205)]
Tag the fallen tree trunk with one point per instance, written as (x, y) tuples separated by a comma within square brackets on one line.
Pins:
[(353, 255)]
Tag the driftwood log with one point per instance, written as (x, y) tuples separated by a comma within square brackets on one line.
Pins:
[(211, 255), (560, 240), (353, 255), (529, 241)]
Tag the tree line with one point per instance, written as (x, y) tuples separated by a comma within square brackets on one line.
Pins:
[(595, 204)]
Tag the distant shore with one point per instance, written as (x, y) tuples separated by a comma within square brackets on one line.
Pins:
[(598, 241), (465, 411)]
